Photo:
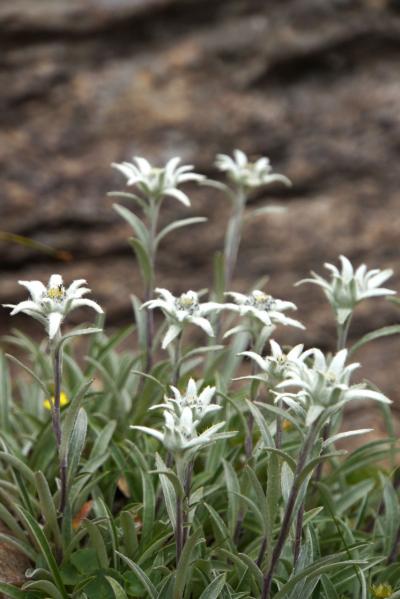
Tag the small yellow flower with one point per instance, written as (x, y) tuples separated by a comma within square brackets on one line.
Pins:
[(382, 590), (287, 425), (48, 403)]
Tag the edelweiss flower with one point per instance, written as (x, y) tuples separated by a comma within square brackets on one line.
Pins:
[(52, 304), (198, 403), (326, 383), (276, 367), (248, 174), (348, 287), (159, 182), (263, 307), (182, 416), (182, 310)]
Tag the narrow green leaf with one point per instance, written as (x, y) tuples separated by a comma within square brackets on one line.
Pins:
[(219, 275), (77, 442), (262, 425), (129, 534), (260, 498), (185, 222), (150, 377), (78, 333), (129, 196), (329, 589), (142, 576), (47, 506), (383, 332), (118, 591), (98, 542), (10, 591), (16, 463), (46, 586), (214, 589), (30, 372), (136, 223), (72, 414), (183, 568), (148, 508), (201, 350), (221, 531), (286, 415), (168, 491), (233, 489), (44, 547), (142, 258), (5, 394), (311, 572), (103, 439)]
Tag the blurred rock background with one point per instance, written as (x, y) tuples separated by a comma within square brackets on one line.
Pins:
[(313, 84)]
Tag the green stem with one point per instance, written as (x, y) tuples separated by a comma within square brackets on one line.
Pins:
[(177, 360), (248, 444), (342, 333), (182, 474), (149, 292), (179, 529), (56, 419), (233, 236), (187, 488), (287, 518)]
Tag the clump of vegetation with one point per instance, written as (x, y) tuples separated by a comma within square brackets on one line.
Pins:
[(156, 473)]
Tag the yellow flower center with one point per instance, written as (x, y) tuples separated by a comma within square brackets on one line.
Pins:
[(56, 293), (382, 591)]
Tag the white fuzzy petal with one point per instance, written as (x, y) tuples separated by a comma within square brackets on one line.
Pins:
[(171, 334), (203, 324), (178, 195), (27, 305), (35, 288), (54, 323), (78, 303)]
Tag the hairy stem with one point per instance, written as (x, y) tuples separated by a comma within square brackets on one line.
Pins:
[(248, 444), (299, 529), (233, 236), (279, 424), (342, 334), (179, 529), (56, 419), (177, 358), (187, 488), (287, 518), (261, 553), (152, 230)]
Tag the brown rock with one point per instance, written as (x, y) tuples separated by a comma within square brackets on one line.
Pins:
[(312, 84), (13, 563)]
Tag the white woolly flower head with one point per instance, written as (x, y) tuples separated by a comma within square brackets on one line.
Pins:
[(51, 304), (275, 368), (348, 286), (181, 310), (158, 182), (325, 383), (263, 307), (199, 403), (183, 414), (248, 174)]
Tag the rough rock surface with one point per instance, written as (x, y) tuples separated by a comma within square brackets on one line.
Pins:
[(312, 84), (13, 564)]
